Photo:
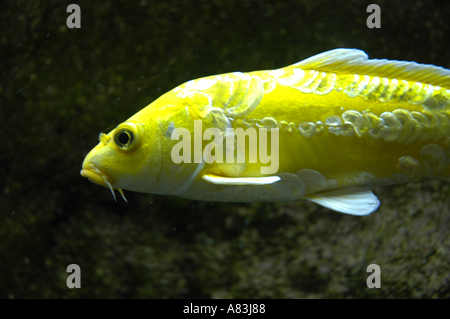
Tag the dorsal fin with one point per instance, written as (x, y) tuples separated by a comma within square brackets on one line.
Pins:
[(356, 61)]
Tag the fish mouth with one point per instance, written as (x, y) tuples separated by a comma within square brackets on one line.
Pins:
[(97, 176)]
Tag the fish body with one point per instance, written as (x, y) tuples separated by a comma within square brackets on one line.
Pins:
[(338, 123)]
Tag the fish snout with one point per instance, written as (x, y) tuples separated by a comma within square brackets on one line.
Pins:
[(96, 175)]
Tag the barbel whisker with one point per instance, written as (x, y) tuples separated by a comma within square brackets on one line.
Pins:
[(122, 194), (110, 187)]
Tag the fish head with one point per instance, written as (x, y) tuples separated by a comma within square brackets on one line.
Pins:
[(128, 158), (137, 154)]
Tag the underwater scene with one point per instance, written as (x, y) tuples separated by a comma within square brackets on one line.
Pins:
[(114, 187)]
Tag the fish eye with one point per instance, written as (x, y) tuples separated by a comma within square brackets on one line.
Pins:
[(124, 138)]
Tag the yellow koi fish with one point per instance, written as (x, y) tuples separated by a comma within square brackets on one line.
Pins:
[(338, 123)]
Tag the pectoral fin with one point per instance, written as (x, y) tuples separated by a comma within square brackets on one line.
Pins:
[(221, 180), (353, 201)]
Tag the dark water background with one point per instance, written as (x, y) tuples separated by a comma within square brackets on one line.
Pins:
[(60, 87)]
